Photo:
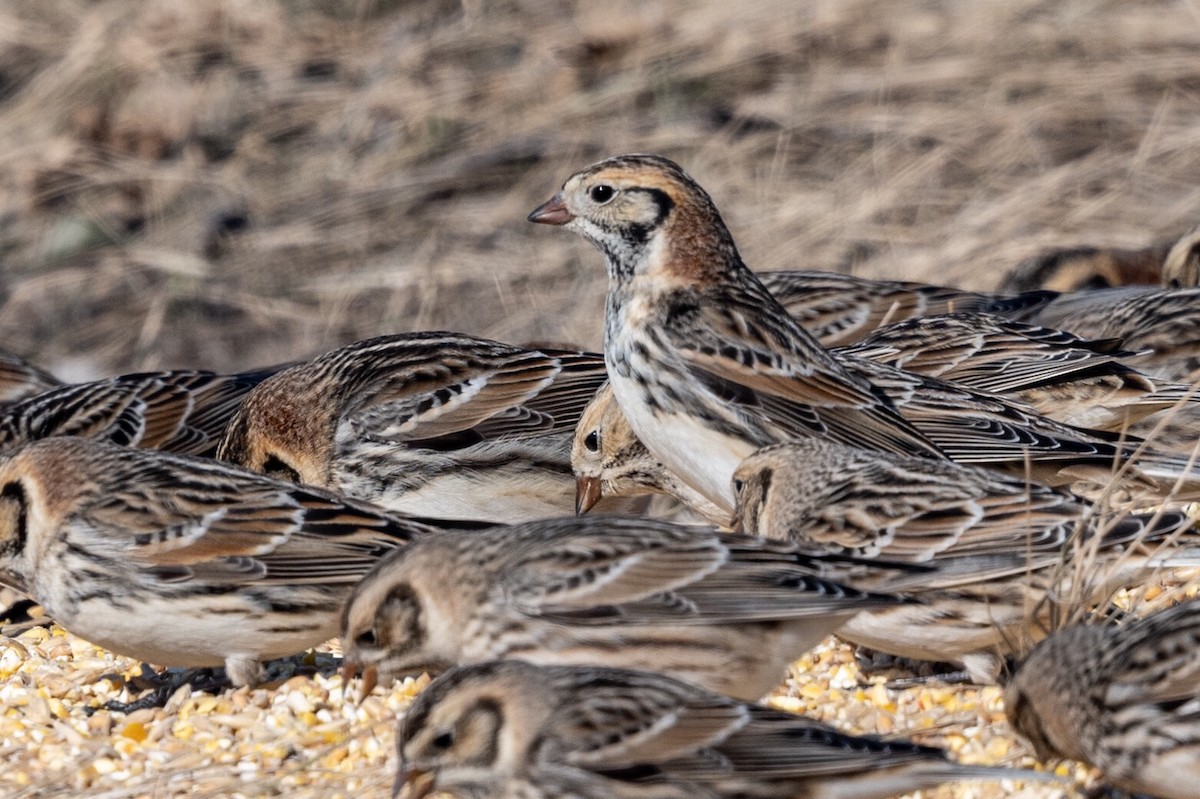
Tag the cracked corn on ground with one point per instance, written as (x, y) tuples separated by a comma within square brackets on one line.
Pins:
[(310, 737)]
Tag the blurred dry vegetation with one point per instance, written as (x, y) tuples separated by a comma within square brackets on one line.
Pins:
[(228, 183)]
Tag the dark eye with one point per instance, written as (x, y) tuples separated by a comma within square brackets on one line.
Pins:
[(592, 441), (445, 740), (366, 638), (13, 524), (602, 193), (275, 467), (738, 485)]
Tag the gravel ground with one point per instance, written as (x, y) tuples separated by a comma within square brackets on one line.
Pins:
[(310, 736), (230, 183)]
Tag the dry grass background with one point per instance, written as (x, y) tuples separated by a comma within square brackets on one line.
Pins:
[(228, 183)]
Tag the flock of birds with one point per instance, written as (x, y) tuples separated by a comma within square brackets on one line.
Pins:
[(933, 474)]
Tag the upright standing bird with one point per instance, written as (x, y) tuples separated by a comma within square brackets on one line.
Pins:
[(585, 731), (1125, 699), (724, 611), (708, 366), (430, 424), (183, 561)]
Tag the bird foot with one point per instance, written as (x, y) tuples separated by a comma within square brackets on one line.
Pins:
[(21, 616), (958, 677), (157, 687), (873, 663), (1103, 791)]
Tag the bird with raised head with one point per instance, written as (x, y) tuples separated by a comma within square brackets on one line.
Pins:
[(708, 366)]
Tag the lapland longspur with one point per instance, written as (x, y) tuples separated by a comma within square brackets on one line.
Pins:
[(1125, 699), (1161, 324), (179, 560), (707, 366), (610, 461), (544, 782), (568, 731), (178, 411), (842, 309), (1003, 550), (432, 424), (1181, 267), (728, 612), (1079, 381)]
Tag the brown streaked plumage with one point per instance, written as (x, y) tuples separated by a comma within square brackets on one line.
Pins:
[(435, 424), (842, 309), (1174, 430), (1006, 554), (1172, 264), (645, 735), (178, 411), (179, 560), (707, 366), (1078, 381), (610, 461), (728, 612), (1181, 267), (1086, 268), (1162, 324), (541, 783), (1125, 699)]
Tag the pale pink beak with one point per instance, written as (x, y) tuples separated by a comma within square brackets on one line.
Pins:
[(370, 677), (587, 494), (413, 783), (551, 212)]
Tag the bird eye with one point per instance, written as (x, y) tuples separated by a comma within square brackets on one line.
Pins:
[(444, 740), (602, 193), (738, 485), (592, 441), (275, 467), (13, 524), (366, 638)]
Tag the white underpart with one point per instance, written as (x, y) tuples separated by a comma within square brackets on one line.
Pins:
[(206, 631), (524, 497), (702, 457)]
